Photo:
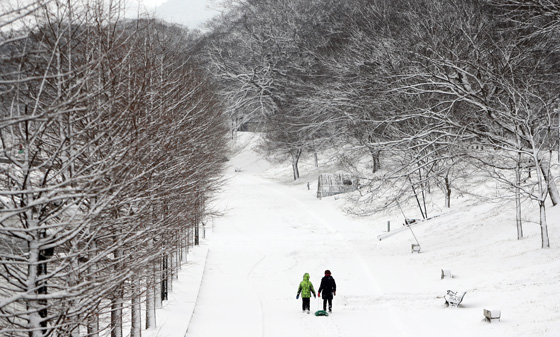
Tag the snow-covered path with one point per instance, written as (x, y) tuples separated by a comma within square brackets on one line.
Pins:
[(260, 251), (275, 232)]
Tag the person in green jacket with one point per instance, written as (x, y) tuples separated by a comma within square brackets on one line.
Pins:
[(306, 289)]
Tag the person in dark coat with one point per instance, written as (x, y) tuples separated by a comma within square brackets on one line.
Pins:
[(328, 288)]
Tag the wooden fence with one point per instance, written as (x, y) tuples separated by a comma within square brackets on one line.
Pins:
[(332, 184)]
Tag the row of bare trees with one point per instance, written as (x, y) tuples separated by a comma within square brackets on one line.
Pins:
[(430, 91), (113, 142)]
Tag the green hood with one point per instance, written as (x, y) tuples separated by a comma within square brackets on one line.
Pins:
[(306, 287)]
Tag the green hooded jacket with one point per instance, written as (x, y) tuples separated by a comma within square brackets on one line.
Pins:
[(306, 287)]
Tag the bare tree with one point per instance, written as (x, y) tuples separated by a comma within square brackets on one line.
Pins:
[(91, 195), (469, 59), (268, 56)]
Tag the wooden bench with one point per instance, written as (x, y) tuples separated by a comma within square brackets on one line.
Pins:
[(446, 273), (415, 248), (454, 298), (492, 314)]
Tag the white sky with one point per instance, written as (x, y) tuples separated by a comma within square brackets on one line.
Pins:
[(191, 13)]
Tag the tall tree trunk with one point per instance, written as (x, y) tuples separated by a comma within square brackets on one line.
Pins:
[(150, 298), (157, 284), (36, 308), (315, 155), (93, 325), (44, 256), (93, 317), (117, 300), (172, 266), (136, 314), (543, 192), (164, 276), (376, 163), (116, 313), (295, 159), (417, 199), (197, 216), (544, 227), (447, 192), (549, 178), (184, 246), (518, 220), (422, 185)]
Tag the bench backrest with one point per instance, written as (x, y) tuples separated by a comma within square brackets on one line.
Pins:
[(460, 298)]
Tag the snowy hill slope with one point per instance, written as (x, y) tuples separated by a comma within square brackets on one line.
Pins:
[(275, 230)]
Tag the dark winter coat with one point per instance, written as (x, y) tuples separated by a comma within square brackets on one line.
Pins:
[(327, 288)]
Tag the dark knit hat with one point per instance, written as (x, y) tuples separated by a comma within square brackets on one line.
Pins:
[(327, 272)]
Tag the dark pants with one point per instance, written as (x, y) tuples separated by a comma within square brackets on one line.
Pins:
[(325, 304), (306, 303)]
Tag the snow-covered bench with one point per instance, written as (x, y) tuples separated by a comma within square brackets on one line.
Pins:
[(454, 298), (492, 314)]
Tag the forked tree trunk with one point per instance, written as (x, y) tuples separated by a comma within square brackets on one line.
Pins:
[(543, 192), (295, 159), (549, 178)]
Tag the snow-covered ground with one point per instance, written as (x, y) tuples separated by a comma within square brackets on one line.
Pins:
[(275, 230)]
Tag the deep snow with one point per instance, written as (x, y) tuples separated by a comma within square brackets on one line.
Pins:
[(276, 230)]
